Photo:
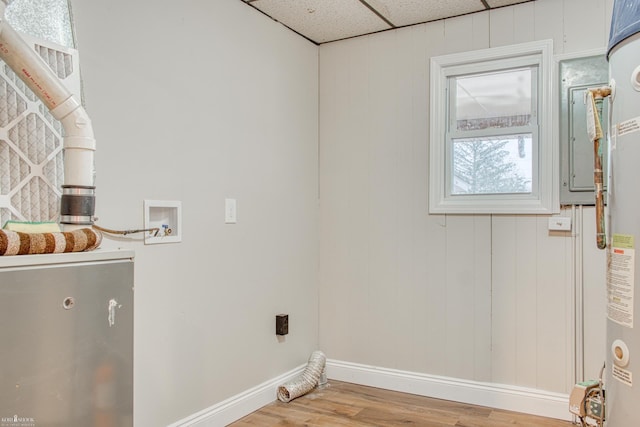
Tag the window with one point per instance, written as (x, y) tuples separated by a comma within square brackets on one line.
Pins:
[(491, 145), (31, 158), (43, 19)]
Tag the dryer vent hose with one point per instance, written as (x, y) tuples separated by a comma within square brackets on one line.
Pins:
[(306, 381)]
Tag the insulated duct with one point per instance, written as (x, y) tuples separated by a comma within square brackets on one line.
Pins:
[(78, 200), (306, 381)]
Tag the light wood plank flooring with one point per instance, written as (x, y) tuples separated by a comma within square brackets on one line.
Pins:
[(344, 404)]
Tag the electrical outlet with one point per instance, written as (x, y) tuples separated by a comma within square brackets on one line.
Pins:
[(282, 324), (595, 408)]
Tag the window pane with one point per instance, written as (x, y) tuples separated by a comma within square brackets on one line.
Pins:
[(43, 19), (492, 165), (493, 100)]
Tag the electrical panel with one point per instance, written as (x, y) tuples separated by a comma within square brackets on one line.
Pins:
[(576, 76)]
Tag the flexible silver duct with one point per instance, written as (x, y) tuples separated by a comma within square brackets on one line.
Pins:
[(306, 381)]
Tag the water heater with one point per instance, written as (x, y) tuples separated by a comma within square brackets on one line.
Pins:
[(623, 337)]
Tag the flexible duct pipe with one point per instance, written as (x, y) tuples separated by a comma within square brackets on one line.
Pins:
[(78, 203), (306, 381)]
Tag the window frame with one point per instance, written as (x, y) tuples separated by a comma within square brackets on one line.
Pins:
[(543, 198)]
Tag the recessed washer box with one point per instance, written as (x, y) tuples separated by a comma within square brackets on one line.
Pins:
[(166, 216)]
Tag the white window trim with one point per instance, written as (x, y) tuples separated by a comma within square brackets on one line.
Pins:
[(544, 199)]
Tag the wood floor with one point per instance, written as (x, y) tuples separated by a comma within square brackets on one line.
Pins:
[(344, 404)]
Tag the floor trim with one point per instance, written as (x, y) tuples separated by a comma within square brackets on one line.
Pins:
[(240, 405), (512, 398)]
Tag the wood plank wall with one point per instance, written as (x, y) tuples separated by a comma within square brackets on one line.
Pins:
[(479, 297)]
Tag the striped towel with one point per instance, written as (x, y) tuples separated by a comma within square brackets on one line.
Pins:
[(17, 243)]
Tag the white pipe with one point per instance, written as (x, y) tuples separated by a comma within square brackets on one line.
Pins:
[(304, 382), (30, 67), (78, 142), (578, 271)]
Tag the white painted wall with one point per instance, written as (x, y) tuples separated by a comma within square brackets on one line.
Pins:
[(211, 100), (199, 101), (480, 297)]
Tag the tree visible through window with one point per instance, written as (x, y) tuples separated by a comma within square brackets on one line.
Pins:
[(487, 166)]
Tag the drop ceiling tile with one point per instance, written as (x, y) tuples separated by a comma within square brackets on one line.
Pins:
[(499, 3), (324, 20), (409, 12)]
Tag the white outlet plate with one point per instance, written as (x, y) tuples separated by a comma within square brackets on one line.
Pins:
[(560, 223), (166, 215)]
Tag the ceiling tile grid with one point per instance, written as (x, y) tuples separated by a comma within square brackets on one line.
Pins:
[(409, 12), (323, 21), (500, 3)]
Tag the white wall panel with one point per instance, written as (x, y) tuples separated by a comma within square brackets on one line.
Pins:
[(584, 25), (430, 230), (482, 299), (532, 289), (197, 103), (335, 160), (403, 134), (512, 25), (468, 296), (504, 325), (458, 301), (478, 297), (548, 19), (502, 27), (481, 30), (523, 25), (527, 262), (434, 42), (383, 200), (457, 34), (553, 330)]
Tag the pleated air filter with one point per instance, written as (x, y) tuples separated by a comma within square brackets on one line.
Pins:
[(31, 162)]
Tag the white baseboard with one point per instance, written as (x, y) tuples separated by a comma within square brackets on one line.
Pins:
[(240, 405), (519, 399)]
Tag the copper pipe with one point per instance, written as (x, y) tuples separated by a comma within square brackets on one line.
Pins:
[(598, 177)]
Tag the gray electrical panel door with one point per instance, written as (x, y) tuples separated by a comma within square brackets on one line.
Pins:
[(576, 150), (66, 345)]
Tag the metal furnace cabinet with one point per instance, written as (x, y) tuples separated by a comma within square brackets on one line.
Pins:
[(66, 340)]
